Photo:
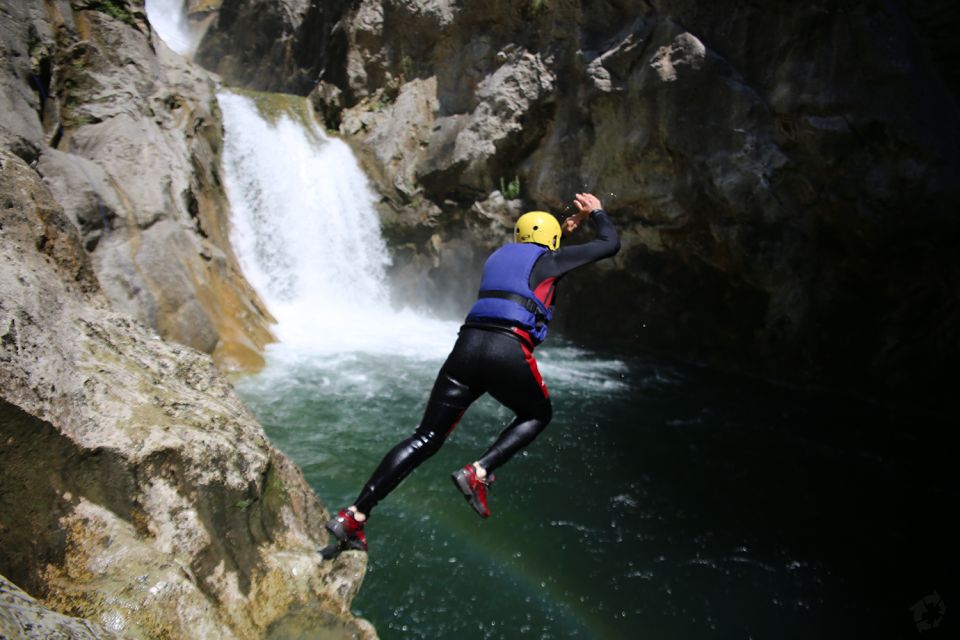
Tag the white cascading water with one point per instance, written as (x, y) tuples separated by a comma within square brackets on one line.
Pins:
[(169, 20), (308, 237)]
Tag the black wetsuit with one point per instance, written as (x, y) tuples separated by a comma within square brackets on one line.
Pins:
[(494, 359)]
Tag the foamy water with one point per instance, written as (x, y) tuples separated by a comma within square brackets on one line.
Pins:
[(309, 240)]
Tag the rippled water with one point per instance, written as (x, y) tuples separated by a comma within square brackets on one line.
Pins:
[(662, 502)]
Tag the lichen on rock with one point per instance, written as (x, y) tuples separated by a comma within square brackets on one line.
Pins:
[(21, 616)]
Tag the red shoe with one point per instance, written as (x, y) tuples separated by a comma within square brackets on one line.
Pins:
[(348, 531), (473, 488)]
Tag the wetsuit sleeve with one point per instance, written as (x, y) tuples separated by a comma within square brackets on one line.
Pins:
[(567, 258)]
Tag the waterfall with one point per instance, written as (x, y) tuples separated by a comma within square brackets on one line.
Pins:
[(307, 235), (170, 21), (303, 224)]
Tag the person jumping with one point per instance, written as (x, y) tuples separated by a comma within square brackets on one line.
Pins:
[(493, 354)]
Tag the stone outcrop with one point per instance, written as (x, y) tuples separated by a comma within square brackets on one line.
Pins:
[(785, 175), (137, 490), (23, 617), (127, 135)]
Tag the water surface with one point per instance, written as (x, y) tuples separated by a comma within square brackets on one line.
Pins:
[(663, 501)]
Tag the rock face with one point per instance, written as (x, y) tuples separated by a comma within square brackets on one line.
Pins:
[(127, 135), (23, 617), (785, 175), (137, 490), (269, 45)]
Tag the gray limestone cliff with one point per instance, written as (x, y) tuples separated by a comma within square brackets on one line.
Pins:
[(136, 490), (139, 498), (127, 135), (268, 45), (785, 177)]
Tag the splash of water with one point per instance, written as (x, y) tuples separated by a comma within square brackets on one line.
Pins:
[(308, 236)]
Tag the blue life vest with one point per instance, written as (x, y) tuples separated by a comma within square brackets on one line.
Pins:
[(505, 295)]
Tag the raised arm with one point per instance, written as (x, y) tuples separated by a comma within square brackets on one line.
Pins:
[(568, 257)]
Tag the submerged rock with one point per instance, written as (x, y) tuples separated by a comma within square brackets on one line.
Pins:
[(136, 490)]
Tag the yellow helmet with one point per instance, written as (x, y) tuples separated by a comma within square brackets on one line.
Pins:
[(539, 227)]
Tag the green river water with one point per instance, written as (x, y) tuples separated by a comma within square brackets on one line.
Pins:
[(663, 501)]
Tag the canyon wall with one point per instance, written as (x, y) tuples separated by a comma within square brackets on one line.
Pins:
[(784, 175), (136, 490), (127, 136)]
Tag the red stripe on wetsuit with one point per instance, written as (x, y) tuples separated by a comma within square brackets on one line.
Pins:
[(544, 292)]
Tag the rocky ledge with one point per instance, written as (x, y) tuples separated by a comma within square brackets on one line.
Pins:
[(138, 491)]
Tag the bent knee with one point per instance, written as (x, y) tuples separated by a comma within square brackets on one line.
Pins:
[(426, 442)]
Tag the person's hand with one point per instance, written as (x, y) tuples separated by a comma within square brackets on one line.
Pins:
[(585, 203)]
